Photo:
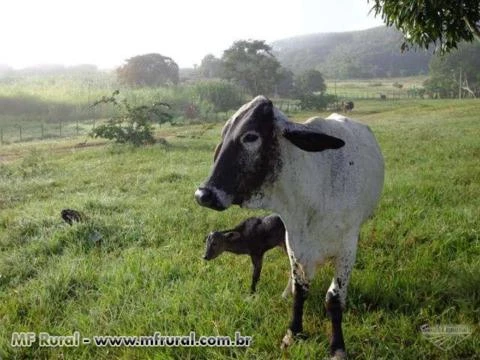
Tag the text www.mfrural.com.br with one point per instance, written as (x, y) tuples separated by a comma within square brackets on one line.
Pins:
[(44, 339)]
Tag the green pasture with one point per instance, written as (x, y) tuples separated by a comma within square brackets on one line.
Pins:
[(371, 89), (135, 267)]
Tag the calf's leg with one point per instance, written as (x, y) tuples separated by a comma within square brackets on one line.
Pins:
[(257, 262)]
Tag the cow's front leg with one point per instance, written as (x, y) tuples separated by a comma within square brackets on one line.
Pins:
[(301, 285), (335, 302)]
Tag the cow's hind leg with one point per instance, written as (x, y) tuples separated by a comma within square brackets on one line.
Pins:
[(336, 297), (288, 288)]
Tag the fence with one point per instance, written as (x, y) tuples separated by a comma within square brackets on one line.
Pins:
[(28, 132), (384, 95), (29, 129)]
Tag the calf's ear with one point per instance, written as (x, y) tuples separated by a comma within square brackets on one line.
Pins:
[(232, 236), (312, 141), (217, 150)]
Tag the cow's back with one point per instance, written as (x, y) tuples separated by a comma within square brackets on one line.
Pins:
[(344, 182)]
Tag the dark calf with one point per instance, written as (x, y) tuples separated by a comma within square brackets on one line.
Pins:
[(253, 237)]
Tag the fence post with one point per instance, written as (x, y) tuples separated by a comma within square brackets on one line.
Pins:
[(20, 130), (1, 136), (60, 128), (42, 130), (78, 130)]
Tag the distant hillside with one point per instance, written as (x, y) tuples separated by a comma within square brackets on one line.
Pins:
[(358, 54)]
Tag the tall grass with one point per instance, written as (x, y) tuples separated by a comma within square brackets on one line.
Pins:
[(35, 103)]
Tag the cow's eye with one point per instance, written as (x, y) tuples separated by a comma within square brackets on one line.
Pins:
[(250, 137)]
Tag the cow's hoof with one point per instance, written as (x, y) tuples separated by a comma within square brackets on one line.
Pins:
[(290, 338), (339, 355), (287, 340)]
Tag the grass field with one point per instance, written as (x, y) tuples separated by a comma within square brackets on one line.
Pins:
[(392, 88), (418, 260)]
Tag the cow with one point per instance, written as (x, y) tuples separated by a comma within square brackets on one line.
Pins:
[(347, 106), (323, 177)]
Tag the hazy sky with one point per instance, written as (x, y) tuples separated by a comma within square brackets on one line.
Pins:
[(105, 32)]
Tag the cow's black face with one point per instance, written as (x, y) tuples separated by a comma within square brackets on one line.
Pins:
[(248, 159), (245, 160)]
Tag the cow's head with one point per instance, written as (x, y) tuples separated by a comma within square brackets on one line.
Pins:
[(248, 157)]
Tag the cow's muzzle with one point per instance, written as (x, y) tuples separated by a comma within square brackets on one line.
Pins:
[(208, 198)]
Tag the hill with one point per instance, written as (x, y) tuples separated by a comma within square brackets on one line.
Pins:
[(358, 54)]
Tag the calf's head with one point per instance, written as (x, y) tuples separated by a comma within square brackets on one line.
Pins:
[(217, 242), (248, 157)]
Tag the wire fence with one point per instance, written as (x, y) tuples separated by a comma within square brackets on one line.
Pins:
[(28, 132), (42, 130), (384, 95)]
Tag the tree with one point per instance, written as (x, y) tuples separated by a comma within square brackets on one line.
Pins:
[(211, 67), (250, 64), (285, 83), (456, 74), (310, 81), (149, 70), (445, 23), (310, 91)]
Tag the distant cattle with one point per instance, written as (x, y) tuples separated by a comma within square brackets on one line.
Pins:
[(347, 106)]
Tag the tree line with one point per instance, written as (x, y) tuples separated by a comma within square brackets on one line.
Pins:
[(249, 64)]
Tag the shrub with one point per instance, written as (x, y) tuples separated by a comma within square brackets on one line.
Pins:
[(223, 95), (133, 124), (312, 101)]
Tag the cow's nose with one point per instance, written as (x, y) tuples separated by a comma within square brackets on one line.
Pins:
[(206, 197)]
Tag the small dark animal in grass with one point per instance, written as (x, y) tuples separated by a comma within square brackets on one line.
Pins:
[(253, 237), (70, 216)]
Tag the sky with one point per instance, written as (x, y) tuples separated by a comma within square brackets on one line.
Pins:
[(106, 33)]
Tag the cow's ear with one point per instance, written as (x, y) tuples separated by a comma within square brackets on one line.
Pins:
[(312, 141)]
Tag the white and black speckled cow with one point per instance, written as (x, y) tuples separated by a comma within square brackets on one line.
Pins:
[(324, 178)]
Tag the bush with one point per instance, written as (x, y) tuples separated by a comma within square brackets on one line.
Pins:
[(312, 101), (133, 124)]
